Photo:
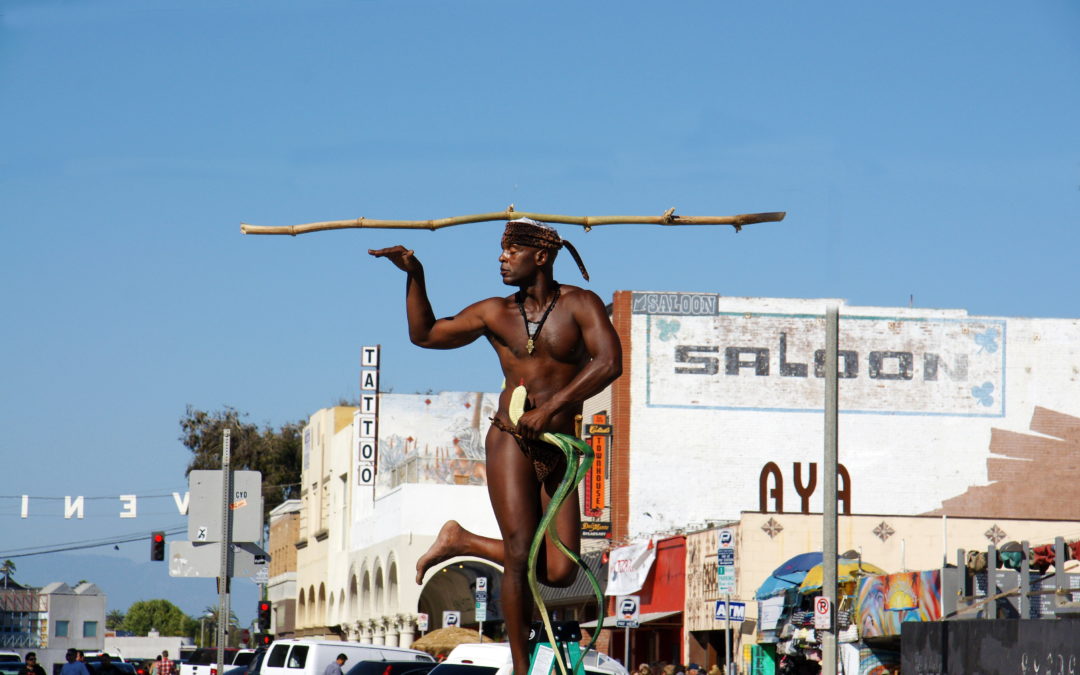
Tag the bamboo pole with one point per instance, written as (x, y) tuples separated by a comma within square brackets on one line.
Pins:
[(588, 222)]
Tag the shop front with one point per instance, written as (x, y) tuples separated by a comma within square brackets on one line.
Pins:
[(655, 573)]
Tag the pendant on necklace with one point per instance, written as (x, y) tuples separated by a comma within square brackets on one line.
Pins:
[(530, 346)]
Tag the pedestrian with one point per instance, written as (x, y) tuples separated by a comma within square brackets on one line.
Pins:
[(32, 666), (693, 669), (165, 666), (73, 666), (335, 666), (154, 664), (644, 669), (558, 341)]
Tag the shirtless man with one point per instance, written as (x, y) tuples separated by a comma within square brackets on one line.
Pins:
[(558, 341)]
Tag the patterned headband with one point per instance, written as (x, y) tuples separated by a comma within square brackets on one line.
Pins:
[(529, 232)]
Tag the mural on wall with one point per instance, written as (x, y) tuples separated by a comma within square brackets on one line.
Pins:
[(885, 601), (434, 438), (1017, 462)]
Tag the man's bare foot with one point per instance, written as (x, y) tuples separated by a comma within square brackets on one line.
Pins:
[(444, 548)]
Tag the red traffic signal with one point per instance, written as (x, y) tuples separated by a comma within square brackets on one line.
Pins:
[(157, 546), (265, 639), (264, 615)]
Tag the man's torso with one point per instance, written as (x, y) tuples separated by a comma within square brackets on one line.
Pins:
[(559, 353)]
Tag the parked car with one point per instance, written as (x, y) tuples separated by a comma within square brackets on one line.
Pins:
[(297, 656), (254, 665), (203, 661), (93, 664), (10, 657), (412, 667), (494, 659), (10, 667)]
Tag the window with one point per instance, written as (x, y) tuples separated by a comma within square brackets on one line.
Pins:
[(61, 629), (277, 656), (89, 629), (297, 657)]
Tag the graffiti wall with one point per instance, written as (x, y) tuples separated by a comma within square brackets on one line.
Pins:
[(433, 438), (886, 601)]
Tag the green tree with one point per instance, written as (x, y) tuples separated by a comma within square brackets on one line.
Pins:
[(7, 569), (161, 615), (114, 620), (274, 452)]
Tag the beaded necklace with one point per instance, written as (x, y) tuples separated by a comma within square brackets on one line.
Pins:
[(530, 345)]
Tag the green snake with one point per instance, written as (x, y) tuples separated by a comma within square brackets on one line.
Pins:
[(579, 458)]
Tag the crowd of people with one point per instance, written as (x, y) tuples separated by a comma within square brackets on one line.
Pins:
[(665, 668), (77, 664)]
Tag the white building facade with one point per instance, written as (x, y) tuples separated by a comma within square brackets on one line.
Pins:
[(940, 412), (359, 543)]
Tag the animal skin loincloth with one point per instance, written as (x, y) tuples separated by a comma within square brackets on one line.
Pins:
[(545, 457)]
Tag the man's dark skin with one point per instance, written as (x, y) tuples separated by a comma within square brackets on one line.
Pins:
[(577, 355)]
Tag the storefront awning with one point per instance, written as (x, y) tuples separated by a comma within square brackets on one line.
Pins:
[(647, 617)]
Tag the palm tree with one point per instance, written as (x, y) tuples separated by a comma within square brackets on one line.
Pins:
[(212, 613), (6, 569)]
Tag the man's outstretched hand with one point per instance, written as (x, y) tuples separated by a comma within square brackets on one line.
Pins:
[(402, 257)]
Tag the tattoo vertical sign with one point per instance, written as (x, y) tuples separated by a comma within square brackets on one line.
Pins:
[(367, 418)]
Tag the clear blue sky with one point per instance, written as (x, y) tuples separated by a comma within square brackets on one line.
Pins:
[(920, 149)]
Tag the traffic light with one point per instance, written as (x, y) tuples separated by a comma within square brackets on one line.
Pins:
[(264, 615), (265, 639), (157, 546)]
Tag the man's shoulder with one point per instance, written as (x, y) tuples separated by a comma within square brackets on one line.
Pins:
[(579, 296)]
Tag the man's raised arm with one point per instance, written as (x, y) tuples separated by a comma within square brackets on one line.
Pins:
[(424, 329)]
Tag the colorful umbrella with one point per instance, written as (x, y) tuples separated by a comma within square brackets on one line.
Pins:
[(846, 570), (788, 575)]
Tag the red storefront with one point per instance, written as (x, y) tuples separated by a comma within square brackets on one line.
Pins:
[(662, 597)]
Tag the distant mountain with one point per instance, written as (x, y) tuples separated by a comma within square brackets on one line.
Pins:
[(126, 581)]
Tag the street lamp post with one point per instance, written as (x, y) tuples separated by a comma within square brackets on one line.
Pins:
[(202, 628)]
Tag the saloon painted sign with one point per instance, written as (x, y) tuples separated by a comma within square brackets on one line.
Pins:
[(776, 362)]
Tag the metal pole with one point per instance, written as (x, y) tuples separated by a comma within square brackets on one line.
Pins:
[(225, 578), (727, 634), (829, 653), (626, 650)]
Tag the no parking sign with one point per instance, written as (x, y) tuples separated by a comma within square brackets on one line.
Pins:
[(822, 613)]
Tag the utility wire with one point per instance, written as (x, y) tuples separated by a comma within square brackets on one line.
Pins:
[(79, 546)]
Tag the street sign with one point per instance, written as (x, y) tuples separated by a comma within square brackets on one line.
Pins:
[(481, 611), (421, 622), (734, 611), (725, 562), (627, 611), (822, 613), (451, 618), (204, 510), (481, 590), (188, 559)]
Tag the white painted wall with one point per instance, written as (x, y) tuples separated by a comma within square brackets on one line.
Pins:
[(700, 437)]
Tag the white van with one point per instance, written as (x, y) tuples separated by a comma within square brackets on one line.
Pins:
[(297, 656)]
